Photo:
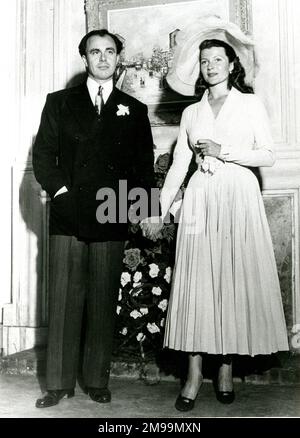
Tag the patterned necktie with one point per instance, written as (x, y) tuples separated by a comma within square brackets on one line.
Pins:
[(99, 102)]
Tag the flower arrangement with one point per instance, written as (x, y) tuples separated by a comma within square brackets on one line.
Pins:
[(145, 286), (144, 293)]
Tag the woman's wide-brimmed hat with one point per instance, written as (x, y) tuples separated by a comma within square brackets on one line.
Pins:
[(185, 68)]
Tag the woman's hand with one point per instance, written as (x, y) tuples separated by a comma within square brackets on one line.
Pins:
[(151, 227), (207, 147)]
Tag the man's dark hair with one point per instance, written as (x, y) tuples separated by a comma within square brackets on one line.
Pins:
[(101, 33)]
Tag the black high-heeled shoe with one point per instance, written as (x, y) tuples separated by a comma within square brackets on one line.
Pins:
[(184, 404), (225, 397)]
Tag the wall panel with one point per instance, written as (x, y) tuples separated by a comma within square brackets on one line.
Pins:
[(46, 59)]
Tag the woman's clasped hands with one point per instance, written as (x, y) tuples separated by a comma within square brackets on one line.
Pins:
[(207, 147)]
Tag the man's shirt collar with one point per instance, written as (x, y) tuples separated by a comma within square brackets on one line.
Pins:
[(93, 88)]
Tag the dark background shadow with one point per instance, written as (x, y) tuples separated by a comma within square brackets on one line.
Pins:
[(77, 79), (30, 190)]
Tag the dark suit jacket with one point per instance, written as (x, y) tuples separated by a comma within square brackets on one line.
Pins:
[(76, 149)]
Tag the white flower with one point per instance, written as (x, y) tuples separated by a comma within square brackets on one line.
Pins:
[(125, 278), (162, 322), (120, 295), (124, 331), (163, 305), (136, 285), (140, 337), (205, 165), (153, 327), (118, 310), (122, 110), (211, 164), (168, 274), (295, 328), (137, 276), (135, 314), (144, 310), (135, 291), (295, 341), (156, 290), (154, 270)]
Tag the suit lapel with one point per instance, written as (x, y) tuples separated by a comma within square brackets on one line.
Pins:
[(110, 127), (102, 131), (81, 106), (108, 117)]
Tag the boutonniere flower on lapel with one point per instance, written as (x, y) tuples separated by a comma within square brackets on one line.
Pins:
[(123, 110)]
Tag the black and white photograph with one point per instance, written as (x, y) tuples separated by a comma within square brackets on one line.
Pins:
[(150, 188)]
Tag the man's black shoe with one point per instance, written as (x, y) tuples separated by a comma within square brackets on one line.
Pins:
[(53, 396), (100, 395)]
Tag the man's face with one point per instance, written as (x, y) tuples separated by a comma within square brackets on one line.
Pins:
[(101, 58)]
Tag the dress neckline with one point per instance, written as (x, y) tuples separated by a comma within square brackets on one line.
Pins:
[(216, 117)]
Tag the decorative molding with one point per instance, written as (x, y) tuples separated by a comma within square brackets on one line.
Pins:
[(294, 195), (96, 18), (294, 65), (60, 34), (20, 54), (287, 80), (285, 74), (283, 175), (68, 68), (275, 82), (91, 8), (243, 15)]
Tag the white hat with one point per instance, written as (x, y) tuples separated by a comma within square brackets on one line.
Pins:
[(185, 68)]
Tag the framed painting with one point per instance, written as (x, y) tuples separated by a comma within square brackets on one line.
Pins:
[(148, 31)]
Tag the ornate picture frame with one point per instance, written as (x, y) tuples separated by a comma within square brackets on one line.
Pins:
[(148, 30)]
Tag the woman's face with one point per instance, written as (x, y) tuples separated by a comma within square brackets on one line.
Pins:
[(215, 66)]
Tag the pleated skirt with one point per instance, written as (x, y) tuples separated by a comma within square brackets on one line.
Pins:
[(225, 296)]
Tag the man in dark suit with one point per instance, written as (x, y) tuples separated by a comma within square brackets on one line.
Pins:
[(91, 137)]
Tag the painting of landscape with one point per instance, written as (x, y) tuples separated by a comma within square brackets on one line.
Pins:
[(149, 34)]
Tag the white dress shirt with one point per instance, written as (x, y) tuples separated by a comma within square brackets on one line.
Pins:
[(93, 88)]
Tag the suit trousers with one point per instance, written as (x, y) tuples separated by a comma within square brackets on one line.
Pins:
[(81, 275)]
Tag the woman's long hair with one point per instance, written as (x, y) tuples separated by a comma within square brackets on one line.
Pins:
[(237, 76)]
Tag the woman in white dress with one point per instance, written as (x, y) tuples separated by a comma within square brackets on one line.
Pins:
[(225, 296)]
